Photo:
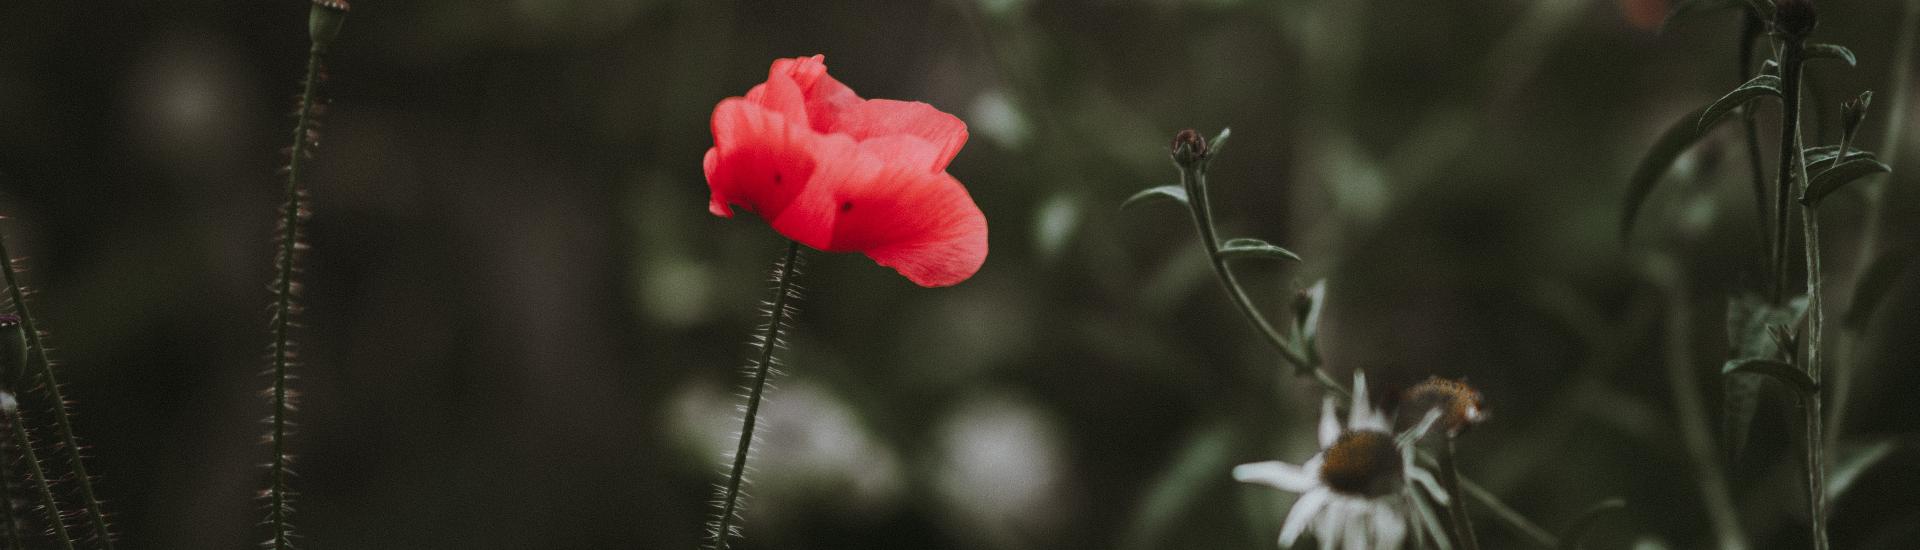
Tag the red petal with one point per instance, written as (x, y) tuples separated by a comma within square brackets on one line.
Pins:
[(825, 96), (876, 118), (888, 206), (759, 161)]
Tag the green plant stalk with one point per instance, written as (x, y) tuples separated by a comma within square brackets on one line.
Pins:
[(1845, 362), (283, 308), (1507, 514), (1457, 513), (1816, 325), (1194, 178), (1695, 432), (57, 524), (783, 293), (63, 422), (1789, 60), (1751, 28)]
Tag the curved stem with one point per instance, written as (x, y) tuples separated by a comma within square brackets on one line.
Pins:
[(283, 309), (1457, 513), (783, 293), (1507, 514), (57, 524), (1194, 179), (62, 421)]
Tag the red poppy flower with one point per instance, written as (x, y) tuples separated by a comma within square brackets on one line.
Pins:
[(844, 174)]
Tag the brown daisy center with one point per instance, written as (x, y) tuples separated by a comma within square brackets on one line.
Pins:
[(1362, 462)]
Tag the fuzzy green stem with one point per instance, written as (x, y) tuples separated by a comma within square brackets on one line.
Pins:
[(783, 294), (57, 525), (63, 422), (283, 308), (1816, 325), (1193, 176), (1457, 513)]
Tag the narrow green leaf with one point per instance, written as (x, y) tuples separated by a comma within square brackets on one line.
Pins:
[(1235, 249), (1822, 157), (1874, 284), (1830, 51), (1175, 192), (1749, 321), (1855, 460), (1685, 8), (1788, 375), (1846, 172), (1675, 140), (1213, 147), (1760, 86), (1570, 539)]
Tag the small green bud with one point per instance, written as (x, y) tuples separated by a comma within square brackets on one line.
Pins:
[(324, 21), (1189, 148), (1852, 113), (1795, 19)]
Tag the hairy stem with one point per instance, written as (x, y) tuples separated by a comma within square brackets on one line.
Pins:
[(57, 524), (1194, 178), (784, 291), (62, 421), (1457, 513), (284, 308)]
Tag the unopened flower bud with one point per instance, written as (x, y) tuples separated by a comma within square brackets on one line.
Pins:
[(1459, 404), (1794, 19), (1189, 148), (1852, 113), (324, 21)]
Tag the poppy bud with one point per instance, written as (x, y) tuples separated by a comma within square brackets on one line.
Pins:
[(1458, 403), (1852, 113), (1189, 148), (1794, 18), (324, 21), (13, 353)]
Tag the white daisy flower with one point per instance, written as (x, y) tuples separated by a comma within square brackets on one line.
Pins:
[(1357, 492)]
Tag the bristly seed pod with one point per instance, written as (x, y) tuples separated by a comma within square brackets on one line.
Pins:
[(1795, 19), (324, 21), (1459, 404), (1189, 148)]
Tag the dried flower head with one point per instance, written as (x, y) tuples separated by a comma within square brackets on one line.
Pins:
[(1795, 19), (1459, 404), (1189, 148)]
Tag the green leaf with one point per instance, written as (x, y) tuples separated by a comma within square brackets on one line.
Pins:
[(1690, 7), (1855, 460), (1822, 157), (1570, 539), (1760, 86), (1846, 172), (1874, 284), (1173, 494), (1213, 147), (1175, 192), (1830, 51), (1787, 374), (1674, 141), (1235, 249), (1749, 319)]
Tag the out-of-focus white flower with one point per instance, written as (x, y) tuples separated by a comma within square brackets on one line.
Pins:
[(1357, 493)]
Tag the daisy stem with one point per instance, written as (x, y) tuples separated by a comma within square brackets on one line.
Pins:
[(63, 423), (784, 291), (1193, 177), (1457, 513), (56, 522)]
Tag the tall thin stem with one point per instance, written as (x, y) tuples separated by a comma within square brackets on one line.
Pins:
[(1457, 513), (56, 521), (284, 308), (1193, 177), (1816, 325), (62, 421), (784, 292), (1789, 60), (6, 483)]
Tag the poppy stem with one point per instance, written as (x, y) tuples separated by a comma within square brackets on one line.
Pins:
[(1457, 513), (56, 521), (785, 291), (63, 423), (279, 505), (1193, 177)]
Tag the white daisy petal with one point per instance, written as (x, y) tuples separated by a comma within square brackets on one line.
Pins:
[(1327, 527), (1276, 474), (1356, 535), (1420, 430), (1432, 485), (1389, 528), (1329, 425), (1304, 511), (1432, 525)]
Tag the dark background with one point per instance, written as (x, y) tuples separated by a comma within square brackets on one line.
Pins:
[(523, 328)]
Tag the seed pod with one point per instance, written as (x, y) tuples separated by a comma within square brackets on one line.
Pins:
[(1189, 148), (1459, 404), (1795, 19)]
